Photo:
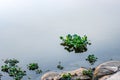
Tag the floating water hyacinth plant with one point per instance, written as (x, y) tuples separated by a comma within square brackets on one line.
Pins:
[(38, 71), (11, 62), (13, 69), (34, 67), (75, 43), (91, 59)]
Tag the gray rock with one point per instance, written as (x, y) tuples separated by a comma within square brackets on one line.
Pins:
[(57, 77), (76, 74), (49, 76), (106, 71), (105, 77), (107, 68), (115, 76)]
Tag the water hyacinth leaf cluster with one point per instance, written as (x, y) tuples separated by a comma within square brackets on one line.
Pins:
[(91, 59), (16, 73), (13, 69), (11, 62), (75, 43), (4, 68), (34, 67)]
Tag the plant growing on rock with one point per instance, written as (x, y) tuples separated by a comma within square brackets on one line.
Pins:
[(59, 66), (13, 69), (91, 59), (88, 73), (67, 76), (75, 43)]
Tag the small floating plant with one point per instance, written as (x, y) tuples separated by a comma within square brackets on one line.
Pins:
[(75, 43), (34, 67), (91, 59), (59, 66)]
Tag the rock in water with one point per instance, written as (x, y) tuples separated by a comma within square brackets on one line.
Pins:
[(115, 76), (49, 76), (76, 74), (106, 71), (105, 77), (107, 68)]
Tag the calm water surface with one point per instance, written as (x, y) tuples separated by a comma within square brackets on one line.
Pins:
[(30, 30)]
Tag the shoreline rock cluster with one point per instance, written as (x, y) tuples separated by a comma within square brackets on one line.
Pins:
[(106, 71)]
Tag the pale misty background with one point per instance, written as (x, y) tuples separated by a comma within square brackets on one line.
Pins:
[(30, 30)]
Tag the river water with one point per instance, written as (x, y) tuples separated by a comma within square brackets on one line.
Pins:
[(30, 31)]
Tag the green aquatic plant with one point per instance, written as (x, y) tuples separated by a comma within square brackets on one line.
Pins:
[(33, 66), (67, 76), (13, 69), (5, 68), (38, 71), (88, 73), (75, 43), (11, 62), (91, 59), (16, 73), (59, 66)]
